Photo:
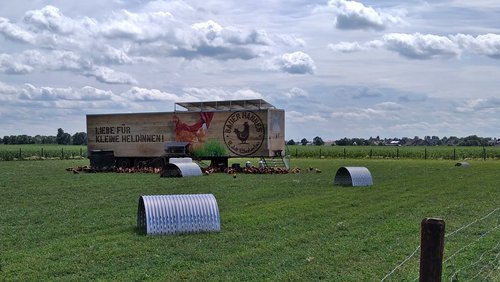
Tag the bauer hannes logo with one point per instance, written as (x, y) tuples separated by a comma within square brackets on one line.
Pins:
[(243, 133)]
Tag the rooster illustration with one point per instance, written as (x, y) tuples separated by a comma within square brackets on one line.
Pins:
[(244, 134)]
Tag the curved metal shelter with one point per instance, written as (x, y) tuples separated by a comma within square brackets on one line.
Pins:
[(181, 170), (353, 176), (462, 164), (176, 214)]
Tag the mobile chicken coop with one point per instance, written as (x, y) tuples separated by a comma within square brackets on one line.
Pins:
[(214, 130)]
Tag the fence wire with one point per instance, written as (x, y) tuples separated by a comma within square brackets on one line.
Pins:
[(457, 252)]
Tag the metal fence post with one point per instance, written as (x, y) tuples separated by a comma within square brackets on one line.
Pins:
[(431, 250)]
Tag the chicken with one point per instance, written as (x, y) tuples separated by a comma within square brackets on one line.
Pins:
[(244, 134)]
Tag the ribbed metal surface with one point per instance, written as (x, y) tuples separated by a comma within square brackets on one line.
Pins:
[(181, 170), (175, 214), (353, 176), (180, 160)]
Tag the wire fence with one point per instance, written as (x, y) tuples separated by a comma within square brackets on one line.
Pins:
[(473, 259), (395, 152), (33, 152)]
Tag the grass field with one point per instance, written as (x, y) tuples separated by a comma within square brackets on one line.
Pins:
[(60, 226), (41, 152), (393, 152)]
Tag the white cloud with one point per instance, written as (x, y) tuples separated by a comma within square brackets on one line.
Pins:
[(428, 46), (354, 15), (143, 94), (14, 32), (488, 105), (347, 47), (382, 111), (421, 46), (294, 63), (486, 44), (389, 106), (110, 76), (50, 19), (214, 94), (8, 65), (299, 117), (139, 27), (296, 92)]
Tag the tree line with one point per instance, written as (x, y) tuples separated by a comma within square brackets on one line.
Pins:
[(472, 140), (62, 138)]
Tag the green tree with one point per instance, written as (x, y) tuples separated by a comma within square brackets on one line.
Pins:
[(79, 138), (318, 141), (304, 141), (290, 142), (62, 137)]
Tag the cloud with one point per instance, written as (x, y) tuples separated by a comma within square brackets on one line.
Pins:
[(139, 27), (209, 39), (294, 63), (487, 44), (351, 15), (384, 111), (367, 93), (50, 19), (110, 76), (214, 94), (347, 47), (487, 105), (87, 93), (9, 66), (298, 117), (388, 106), (428, 46), (296, 92), (14, 32), (421, 46), (143, 94)]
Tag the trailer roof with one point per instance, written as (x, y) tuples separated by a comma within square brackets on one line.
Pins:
[(228, 105)]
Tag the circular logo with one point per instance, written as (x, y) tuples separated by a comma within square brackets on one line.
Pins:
[(243, 133)]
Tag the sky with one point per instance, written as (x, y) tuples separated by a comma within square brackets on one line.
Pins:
[(338, 68)]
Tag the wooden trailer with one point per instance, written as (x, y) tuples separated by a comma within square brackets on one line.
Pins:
[(204, 130)]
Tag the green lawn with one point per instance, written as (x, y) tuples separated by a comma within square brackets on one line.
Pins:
[(60, 226)]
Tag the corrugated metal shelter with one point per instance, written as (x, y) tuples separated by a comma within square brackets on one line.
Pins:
[(175, 214), (353, 176), (181, 170)]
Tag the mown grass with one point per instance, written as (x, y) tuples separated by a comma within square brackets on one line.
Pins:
[(60, 226)]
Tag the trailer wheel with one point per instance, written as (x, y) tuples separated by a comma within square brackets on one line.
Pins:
[(123, 162)]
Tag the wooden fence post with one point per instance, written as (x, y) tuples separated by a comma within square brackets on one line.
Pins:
[(431, 249)]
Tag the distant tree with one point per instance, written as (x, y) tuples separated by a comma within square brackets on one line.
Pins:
[(343, 142), (318, 141), (22, 139), (49, 140), (304, 141), (290, 142), (1, 140), (62, 137), (79, 138)]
